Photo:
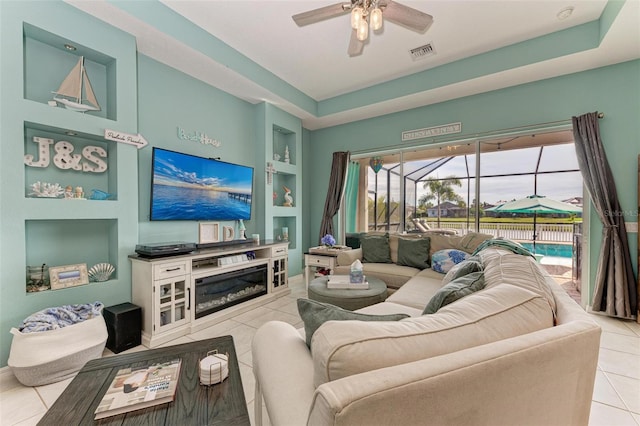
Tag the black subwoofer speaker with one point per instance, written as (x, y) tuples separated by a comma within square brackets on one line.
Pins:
[(124, 325)]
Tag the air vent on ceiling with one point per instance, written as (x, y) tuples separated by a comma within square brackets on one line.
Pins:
[(422, 51)]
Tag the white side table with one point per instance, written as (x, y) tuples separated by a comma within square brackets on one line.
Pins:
[(320, 257)]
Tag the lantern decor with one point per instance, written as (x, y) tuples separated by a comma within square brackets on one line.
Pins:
[(376, 164)]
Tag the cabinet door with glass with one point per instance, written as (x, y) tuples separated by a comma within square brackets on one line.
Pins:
[(280, 273), (171, 303)]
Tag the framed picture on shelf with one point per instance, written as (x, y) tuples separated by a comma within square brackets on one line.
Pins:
[(209, 232), (68, 276)]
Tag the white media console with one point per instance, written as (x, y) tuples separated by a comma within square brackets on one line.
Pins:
[(186, 293)]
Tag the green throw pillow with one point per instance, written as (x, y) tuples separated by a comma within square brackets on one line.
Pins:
[(314, 314), (375, 248), (414, 252), (471, 264), (456, 289)]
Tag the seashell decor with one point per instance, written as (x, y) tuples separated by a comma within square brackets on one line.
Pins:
[(101, 272)]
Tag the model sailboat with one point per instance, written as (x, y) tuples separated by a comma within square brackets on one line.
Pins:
[(70, 91)]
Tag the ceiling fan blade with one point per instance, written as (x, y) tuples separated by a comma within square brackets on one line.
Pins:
[(355, 45), (407, 16), (320, 14)]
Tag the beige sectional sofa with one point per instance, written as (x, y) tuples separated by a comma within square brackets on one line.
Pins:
[(519, 351), (395, 275)]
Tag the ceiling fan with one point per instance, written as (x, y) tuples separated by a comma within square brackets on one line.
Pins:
[(365, 14)]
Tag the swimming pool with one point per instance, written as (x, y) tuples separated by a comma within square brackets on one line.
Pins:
[(546, 249)]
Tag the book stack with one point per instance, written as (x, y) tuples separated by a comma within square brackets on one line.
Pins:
[(140, 387), (342, 282)]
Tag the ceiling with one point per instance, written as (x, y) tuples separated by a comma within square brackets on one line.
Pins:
[(254, 50)]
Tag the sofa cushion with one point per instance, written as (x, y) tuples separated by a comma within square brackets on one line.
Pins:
[(375, 248), (417, 292), (442, 261), (467, 243), (341, 349), (314, 314), (454, 290), (467, 266), (414, 252), (501, 266)]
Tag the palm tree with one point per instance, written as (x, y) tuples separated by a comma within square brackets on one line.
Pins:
[(441, 190)]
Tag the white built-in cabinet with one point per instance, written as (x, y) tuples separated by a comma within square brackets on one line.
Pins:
[(166, 288)]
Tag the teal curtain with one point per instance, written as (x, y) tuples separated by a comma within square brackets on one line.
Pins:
[(351, 196)]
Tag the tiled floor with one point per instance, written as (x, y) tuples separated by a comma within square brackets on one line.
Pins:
[(616, 398)]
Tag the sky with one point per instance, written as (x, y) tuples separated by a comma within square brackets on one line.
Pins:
[(559, 186)]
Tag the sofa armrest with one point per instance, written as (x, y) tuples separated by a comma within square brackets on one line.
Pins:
[(347, 257), (283, 370), (512, 381)]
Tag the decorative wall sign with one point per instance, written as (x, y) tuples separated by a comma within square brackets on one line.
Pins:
[(90, 161), (209, 232), (136, 140), (68, 276), (196, 136), (430, 132)]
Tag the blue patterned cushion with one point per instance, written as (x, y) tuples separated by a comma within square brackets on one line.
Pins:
[(442, 261)]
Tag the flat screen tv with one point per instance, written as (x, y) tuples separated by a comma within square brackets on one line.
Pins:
[(187, 187)]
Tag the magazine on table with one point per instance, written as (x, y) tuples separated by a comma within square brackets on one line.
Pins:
[(140, 387)]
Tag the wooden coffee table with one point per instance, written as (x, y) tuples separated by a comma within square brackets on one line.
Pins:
[(194, 404)]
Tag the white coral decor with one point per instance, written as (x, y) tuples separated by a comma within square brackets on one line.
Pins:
[(46, 189)]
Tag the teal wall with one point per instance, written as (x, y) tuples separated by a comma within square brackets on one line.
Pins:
[(614, 90), (168, 99)]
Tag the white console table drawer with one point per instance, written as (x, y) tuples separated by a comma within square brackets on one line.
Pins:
[(325, 261), (279, 251), (168, 270)]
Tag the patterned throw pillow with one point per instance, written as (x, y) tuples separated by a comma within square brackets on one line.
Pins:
[(442, 261)]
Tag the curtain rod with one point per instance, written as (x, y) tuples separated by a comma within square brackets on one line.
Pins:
[(546, 127)]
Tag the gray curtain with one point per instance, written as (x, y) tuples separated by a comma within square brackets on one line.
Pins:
[(615, 293), (334, 193)]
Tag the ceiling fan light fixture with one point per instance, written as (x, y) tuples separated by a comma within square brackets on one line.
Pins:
[(363, 30), (356, 17), (376, 19)]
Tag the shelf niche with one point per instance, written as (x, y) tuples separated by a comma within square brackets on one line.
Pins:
[(289, 222), (96, 239), (103, 181), (60, 55), (283, 139)]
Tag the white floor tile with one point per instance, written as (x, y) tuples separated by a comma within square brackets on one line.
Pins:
[(621, 363), (274, 316), (604, 392), (628, 389), (220, 329), (620, 342), (49, 393), (613, 325), (605, 415), (31, 421), (19, 404)]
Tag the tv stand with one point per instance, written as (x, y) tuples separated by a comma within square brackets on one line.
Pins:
[(182, 294)]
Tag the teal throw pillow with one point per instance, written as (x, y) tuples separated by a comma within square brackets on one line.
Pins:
[(375, 248), (471, 264), (456, 289), (314, 314), (414, 252)]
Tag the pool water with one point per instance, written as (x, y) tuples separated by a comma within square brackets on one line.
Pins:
[(546, 249)]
